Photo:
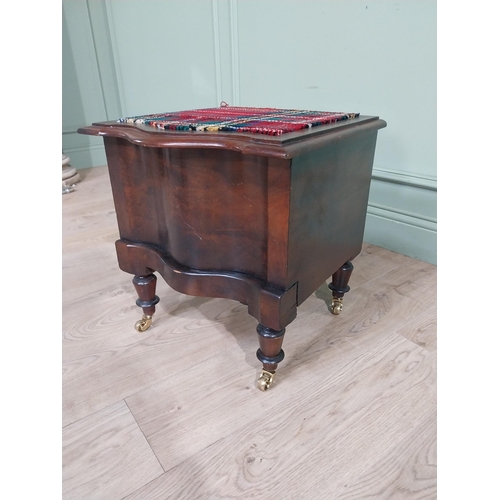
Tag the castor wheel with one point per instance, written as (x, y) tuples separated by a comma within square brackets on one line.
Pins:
[(265, 381), (143, 324), (337, 305)]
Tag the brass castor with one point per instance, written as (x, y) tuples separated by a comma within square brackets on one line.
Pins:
[(143, 324), (265, 381), (337, 305)]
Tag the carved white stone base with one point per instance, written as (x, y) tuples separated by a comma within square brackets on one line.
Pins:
[(69, 173), (71, 180)]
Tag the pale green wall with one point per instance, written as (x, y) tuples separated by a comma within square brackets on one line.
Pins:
[(377, 57)]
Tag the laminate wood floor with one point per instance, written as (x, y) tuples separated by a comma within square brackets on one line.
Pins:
[(172, 413)]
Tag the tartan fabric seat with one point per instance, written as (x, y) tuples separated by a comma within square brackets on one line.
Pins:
[(270, 121)]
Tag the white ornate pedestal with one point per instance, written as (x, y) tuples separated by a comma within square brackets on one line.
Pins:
[(69, 175)]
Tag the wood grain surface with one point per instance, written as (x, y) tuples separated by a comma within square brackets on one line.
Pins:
[(172, 413)]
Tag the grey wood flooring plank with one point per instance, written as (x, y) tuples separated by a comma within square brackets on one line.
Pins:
[(105, 456), (422, 329), (313, 343), (414, 279), (373, 262), (325, 435), (408, 469), (127, 365)]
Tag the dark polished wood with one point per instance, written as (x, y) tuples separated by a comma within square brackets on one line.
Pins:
[(264, 220), (145, 286), (340, 279), (270, 352)]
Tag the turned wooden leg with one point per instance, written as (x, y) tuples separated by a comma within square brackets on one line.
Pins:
[(145, 286), (339, 286), (269, 353)]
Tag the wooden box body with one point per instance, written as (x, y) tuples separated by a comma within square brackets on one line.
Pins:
[(263, 220)]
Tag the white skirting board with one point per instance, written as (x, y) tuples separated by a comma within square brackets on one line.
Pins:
[(401, 216), (401, 237)]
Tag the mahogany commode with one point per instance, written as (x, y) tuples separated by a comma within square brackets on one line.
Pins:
[(261, 219)]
